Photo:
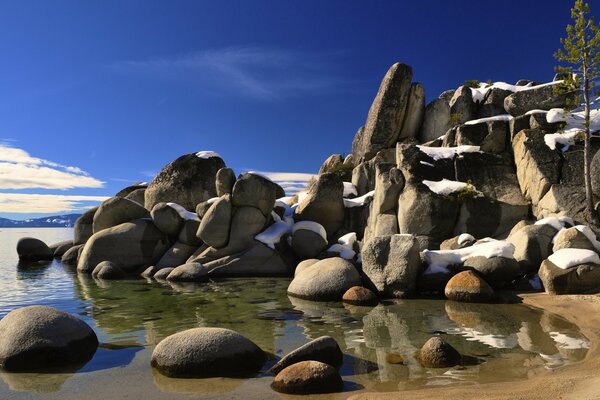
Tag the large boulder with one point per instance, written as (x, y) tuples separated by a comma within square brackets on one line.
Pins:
[(216, 222), (60, 248), (326, 280), (436, 120), (392, 264), (332, 162), (363, 175), (386, 115), (308, 377), (84, 227), (33, 250), (573, 238), (137, 195), (34, 338), (493, 102), (190, 272), (307, 243), (533, 244), (117, 210), (207, 352), (324, 349), (462, 106), (167, 219), (252, 190), (537, 98), (383, 218), (584, 278), (224, 181), (562, 200), (324, 203), (130, 189), (415, 111), (187, 181), (131, 245), (188, 233), (176, 255), (469, 287), (436, 353), (496, 271), (72, 255)]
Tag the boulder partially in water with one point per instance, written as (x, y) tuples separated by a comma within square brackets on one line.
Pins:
[(360, 296), (469, 287), (326, 280), (108, 270), (436, 353), (190, 272), (308, 377), (324, 349), (33, 250)]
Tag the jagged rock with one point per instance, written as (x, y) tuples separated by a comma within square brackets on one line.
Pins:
[(415, 111), (176, 255), (72, 255), (572, 238), (462, 106), (108, 270), (436, 120), (308, 377), (349, 159), (36, 337), (166, 219), (224, 181), (251, 190), (562, 200), (533, 244), (580, 279), (307, 244), (216, 223), (384, 121), (326, 280), (163, 273), (190, 272), (60, 248), (467, 286), (493, 102), (130, 245), (324, 203), (187, 181), (332, 162), (457, 242), (417, 166), (33, 250), (392, 264), (360, 296), (538, 167), (115, 211), (436, 353), (496, 271), (324, 349), (84, 227), (207, 352), (363, 175), (138, 196), (517, 124), (383, 218), (539, 121), (540, 98), (595, 173)]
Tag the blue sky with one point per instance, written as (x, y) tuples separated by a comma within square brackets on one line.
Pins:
[(95, 95)]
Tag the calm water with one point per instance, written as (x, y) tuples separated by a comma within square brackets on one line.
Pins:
[(508, 342)]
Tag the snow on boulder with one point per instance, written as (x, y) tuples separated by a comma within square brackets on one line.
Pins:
[(183, 213), (446, 187), (345, 246), (439, 260), (439, 153), (359, 201), (207, 154), (349, 189), (503, 117), (557, 223), (273, 234), (569, 258)]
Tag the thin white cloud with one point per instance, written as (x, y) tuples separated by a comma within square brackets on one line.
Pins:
[(20, 170), (25, 203), (262, 73), (291, 182)]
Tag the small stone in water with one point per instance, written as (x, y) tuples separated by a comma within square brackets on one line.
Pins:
[(394, 358)]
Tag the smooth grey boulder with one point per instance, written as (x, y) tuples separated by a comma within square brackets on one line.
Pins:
[(252, 190), (167, 219), (137, 195), (363, 175), (462, 106), (386, 115), (216, 223), (187, 181), (324, 203), (436, 120), (496, 271), (202, 208), (468, 287), (72, 255), (60, 248), (84, 227), (571, 238), (207, 352), (415, 111), (580, 279), (533, 244), (383, 217), (331, 163), (130, 189), (392, 264), (117, 210), (176, 255), (34, 338), (324, 349), (108, 270), (32, 250), (326, 280), (539, 98), (188, 232), (224, 181), (131, 245), (150, 271), (308, 377), (436, 353), (307, 244), (163, 273), (190, 272), (246, 223), (302, 265)]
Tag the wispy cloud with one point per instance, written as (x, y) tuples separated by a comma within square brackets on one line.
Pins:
[(291, 182), (257, 72), (20, 170), (24, 203)]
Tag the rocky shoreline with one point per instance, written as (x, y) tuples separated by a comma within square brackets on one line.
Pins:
[(478, 191)]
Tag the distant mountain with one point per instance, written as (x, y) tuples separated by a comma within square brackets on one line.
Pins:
[(55, 221)]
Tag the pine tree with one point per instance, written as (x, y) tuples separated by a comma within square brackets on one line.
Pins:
[(581, 58)]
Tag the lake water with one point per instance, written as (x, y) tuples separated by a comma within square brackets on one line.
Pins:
[(506, 342)]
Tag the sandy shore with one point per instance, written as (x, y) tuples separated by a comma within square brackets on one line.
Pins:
[(580, 381)]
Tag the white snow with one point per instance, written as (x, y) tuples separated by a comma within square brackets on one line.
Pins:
[(446, 186), (212, 200), (480, 92), (273, 234), (345, 246), (310, 226), (426, 163), (301, 196), (557, 223), (503, 117), (438, 260), (207, 154), (566, 139), (185, 214), (574, 124), (359, 201), (567, 342), (463, 238), (568, 258), (530, 112), (349, 189), (438, 153), (283, 202), (348, 239)]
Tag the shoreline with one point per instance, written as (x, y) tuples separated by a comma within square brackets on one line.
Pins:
[(580, 380)]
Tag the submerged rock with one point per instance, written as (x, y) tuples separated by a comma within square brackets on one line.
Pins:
[(207, 352), (360, 296), (324, 349), (308, 377), (34, 338), (436, 353)]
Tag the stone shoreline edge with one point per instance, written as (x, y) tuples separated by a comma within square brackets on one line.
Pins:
[(580, 380)]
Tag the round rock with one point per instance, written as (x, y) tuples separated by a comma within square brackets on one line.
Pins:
[(308, 377), (162, 273), (190, 272), (496, 271), (436, 353), (360, 296), (324, 349), (166, 219), (467, 286), (307, 244), (150, 271), (37, 337), (33, 250), (207, 352), (326, 280), (108, 270)]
